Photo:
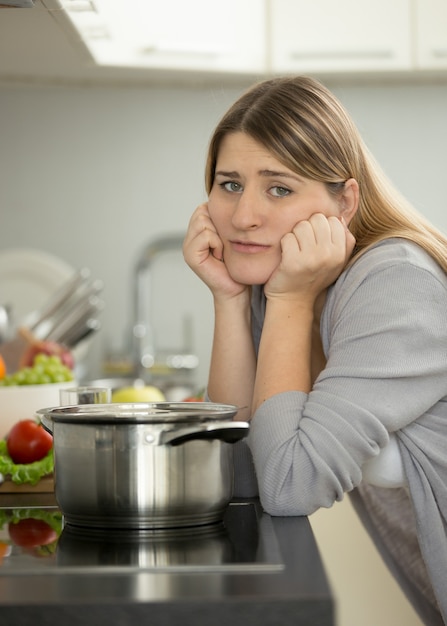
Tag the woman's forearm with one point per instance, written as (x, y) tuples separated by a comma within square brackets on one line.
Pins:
[(285, 351), (233, 362)]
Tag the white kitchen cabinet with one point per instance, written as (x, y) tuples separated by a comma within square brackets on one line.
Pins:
[(431, 34), (193, 36), (340, 35), (181, 41)]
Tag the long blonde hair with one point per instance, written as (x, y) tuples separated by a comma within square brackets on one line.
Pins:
[(305, 127)]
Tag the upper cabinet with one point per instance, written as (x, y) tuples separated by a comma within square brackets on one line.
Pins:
[(227, 37), (340, 36), (198, 40), (292, 36), (431, 34), (196, 35)]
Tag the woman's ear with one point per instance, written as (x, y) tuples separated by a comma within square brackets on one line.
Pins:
[(349, 200)]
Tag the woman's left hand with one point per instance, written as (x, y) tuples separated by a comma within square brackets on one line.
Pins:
[(313, 256)]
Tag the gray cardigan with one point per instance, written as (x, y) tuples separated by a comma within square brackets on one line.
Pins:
[(384, 333)]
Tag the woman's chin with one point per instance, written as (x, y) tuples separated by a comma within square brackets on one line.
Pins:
[(249, 277), (251, 269)]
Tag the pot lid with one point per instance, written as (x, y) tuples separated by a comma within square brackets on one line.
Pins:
[(140, 413)]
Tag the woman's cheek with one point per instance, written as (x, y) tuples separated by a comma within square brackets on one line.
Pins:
[(216, 216)]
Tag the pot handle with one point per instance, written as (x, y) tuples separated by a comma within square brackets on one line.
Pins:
[(230, 432)]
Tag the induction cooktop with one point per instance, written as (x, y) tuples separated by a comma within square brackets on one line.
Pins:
[(35, 540)]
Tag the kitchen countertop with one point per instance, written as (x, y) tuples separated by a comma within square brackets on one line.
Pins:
[(252, 569)]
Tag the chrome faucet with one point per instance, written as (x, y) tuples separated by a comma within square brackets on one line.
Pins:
[(143, 334)]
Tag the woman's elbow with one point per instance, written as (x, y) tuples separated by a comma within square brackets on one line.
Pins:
[(295, 498), (280, 504)]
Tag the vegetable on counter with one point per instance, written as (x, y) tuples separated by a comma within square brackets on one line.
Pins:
[(26, 451), (36, 531), (147, 393), (196, 397), (31, 533), (28, 442), (37, 347), (45, 369), (20, 473)]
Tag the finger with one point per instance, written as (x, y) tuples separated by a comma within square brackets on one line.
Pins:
[(199, 223), (322, 228), (332, 233), (202, 239), (350, 244), (304, 234), (289, 244), (208, 241), (337, 231), (342, 238), (200, 220), (216, 247)]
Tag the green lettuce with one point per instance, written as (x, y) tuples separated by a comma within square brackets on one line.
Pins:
[(20, 473), (51, 517)]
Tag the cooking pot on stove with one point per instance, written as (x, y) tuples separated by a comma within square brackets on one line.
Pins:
[(143, 465)]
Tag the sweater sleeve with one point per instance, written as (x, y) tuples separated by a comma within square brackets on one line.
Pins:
[(385, 339)]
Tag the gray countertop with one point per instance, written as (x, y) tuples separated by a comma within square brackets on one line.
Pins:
[(255, 569)]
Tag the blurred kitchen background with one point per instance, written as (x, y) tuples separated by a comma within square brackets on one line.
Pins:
[(101, 166)]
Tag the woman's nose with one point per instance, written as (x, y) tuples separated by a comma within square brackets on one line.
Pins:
[(247, 213)]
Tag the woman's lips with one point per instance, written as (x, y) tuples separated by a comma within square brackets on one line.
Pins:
[(248, 247)]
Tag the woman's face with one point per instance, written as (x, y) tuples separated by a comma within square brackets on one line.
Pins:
[(255, 200)]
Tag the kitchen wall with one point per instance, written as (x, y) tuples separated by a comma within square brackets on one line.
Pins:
[(92, 174)]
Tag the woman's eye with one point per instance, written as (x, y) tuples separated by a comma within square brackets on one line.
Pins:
[(231, 185), (279, 192)]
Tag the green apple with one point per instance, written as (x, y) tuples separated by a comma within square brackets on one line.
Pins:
[(138, 394)]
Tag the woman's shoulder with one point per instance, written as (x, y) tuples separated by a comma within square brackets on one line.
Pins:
[(391, 269), (399, 253)]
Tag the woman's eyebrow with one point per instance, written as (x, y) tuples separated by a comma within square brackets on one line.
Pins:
[(264, 173), (233, 174), (272, 174)]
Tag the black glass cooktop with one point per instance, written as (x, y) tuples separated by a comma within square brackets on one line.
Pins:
[(34, 540)]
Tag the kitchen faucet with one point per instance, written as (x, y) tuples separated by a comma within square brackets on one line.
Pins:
[(143, 334)]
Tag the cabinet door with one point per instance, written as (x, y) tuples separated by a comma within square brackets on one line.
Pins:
[(340, 35), (431, 34), (194, 35)]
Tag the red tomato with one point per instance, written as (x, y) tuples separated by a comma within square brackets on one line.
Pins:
[(30, 533), (28, 441), (193, 399)]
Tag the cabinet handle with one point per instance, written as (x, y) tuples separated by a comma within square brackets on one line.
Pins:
[(193, 51), (439, 53), (343, 54)]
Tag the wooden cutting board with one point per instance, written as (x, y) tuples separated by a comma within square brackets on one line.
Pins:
[(45, 485)]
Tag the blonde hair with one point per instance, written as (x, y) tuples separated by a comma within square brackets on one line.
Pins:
[(305, 127)]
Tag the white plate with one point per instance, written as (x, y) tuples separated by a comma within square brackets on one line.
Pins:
[(28, 278)]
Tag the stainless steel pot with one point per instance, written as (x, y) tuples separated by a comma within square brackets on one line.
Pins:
[(143, 465)]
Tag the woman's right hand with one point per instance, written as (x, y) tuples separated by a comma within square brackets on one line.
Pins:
[(203, 252)]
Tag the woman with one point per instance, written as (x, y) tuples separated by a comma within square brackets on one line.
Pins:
[(330, 299)]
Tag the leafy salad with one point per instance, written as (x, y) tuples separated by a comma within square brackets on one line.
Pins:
[(35, 531), (20, 473), (50, 516)]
